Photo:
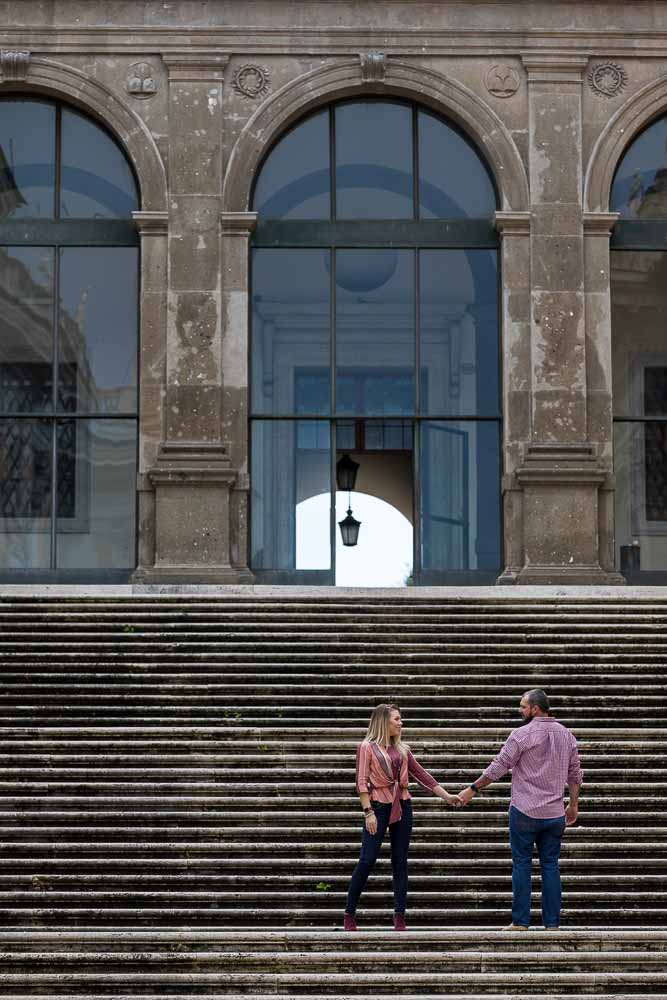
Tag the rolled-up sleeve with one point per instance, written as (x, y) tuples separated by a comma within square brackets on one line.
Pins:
[(504, 762), (363, 768), (575, 775), (416, 771)]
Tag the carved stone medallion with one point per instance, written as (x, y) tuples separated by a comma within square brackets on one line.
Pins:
[(502, 80), (607, 79), (251, 81), (141, 80)]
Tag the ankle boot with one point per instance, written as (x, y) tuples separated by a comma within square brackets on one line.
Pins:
[(349, 923), (399, 922)]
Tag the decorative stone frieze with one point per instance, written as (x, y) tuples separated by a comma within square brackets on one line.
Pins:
[(252, 81), (14, 64), (141, 81), (373, 67), (502, 80), (607, 79)]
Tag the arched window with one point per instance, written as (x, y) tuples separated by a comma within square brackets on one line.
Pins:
[(375, 333), (639, 355), (68, 345)]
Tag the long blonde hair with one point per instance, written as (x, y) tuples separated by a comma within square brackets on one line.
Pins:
[(378, 729)]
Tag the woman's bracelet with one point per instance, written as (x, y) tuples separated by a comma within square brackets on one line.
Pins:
[(369, 812)]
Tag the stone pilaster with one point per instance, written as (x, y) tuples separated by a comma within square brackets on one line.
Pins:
[(192, 476), (561, 472)]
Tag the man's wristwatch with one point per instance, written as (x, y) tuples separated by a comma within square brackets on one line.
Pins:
[(474, 788), (369, 811)]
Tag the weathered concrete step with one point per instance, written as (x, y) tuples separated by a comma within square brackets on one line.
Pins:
[(249, 671), (369, 653), (379, 990)]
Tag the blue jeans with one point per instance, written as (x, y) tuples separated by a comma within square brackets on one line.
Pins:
[(547, 834), (399, 834)]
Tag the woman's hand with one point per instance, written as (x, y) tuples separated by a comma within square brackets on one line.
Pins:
[(453, 800), (372, 824)]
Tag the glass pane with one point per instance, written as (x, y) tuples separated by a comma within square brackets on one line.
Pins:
[(291, 476), (295, 182), (97, 471), (453, 181), (639, 346), (291, 292), (460, 496), (98, 329), (96, 180), (459, 332), (640, 469), (375, 332), (25, 494), (26, 329), (639, 190), (27, 160), (374, 176)]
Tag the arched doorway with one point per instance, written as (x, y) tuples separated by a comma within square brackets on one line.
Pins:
[(375, 334), (68, 346)]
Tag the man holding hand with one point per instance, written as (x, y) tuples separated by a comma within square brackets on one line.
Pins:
[(543, 758)]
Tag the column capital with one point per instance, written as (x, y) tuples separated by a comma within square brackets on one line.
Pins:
[(599, 223), (238, 223), (512, 223), (195, 66), (554, 67), (151, 223)]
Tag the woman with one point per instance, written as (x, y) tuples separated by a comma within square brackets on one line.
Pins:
[(384, 764)]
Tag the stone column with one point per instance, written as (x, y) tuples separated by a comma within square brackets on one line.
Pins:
[(514, 229), (192, 476), (152, 228), (561, 472), (597, 232)]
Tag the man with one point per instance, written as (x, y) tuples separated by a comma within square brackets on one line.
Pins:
[(543, 758)]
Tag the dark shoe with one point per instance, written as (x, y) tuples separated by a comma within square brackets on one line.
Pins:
[(349, 923), (399, 922)]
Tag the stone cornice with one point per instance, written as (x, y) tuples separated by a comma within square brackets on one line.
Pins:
[(196, 66), (554, 67), (599, 223), (512, 223), (238, 223), (160, 39), (152, 223)]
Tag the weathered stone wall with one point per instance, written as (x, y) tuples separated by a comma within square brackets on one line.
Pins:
[(197, 90)]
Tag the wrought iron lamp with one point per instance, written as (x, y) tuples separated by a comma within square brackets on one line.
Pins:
[(346, 477), (349, 528)]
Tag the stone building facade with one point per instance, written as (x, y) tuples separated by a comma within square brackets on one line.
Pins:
[(196, 95)]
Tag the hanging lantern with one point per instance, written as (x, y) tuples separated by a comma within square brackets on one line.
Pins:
[(346, 473), (349, 528)]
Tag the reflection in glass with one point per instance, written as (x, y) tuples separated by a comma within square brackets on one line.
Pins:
[(96, 494), (25, 494), (640, 470), (27, 160), (295, 182), (639, 347), (459, 332), (291, 331), (460, 496), (26, 329), (374, 174), (291, 461), (639, 190), (453, 181), (96, 180), (375, 332), (98, 329)]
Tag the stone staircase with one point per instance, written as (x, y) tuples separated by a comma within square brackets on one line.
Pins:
[(178, 815)]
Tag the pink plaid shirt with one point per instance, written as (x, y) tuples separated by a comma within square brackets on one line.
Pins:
[(543, 758)]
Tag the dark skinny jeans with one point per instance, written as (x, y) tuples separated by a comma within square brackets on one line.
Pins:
[(399, 834)]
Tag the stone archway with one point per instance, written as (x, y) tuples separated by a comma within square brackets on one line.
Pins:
[(441, 93)]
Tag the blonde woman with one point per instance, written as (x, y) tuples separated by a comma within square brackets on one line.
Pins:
[(384, 765)]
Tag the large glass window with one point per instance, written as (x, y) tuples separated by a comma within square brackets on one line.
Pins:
[(68, 345), (375, 335)]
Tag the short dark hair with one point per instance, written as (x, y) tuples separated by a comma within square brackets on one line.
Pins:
[(538, 698)]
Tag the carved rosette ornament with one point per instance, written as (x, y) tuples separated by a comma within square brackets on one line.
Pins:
[(502, 80), (14, 64), (607, 79), (141, 80), (373, 67), (252, 81)]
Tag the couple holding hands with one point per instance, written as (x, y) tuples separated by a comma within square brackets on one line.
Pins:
[(543, 757)]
